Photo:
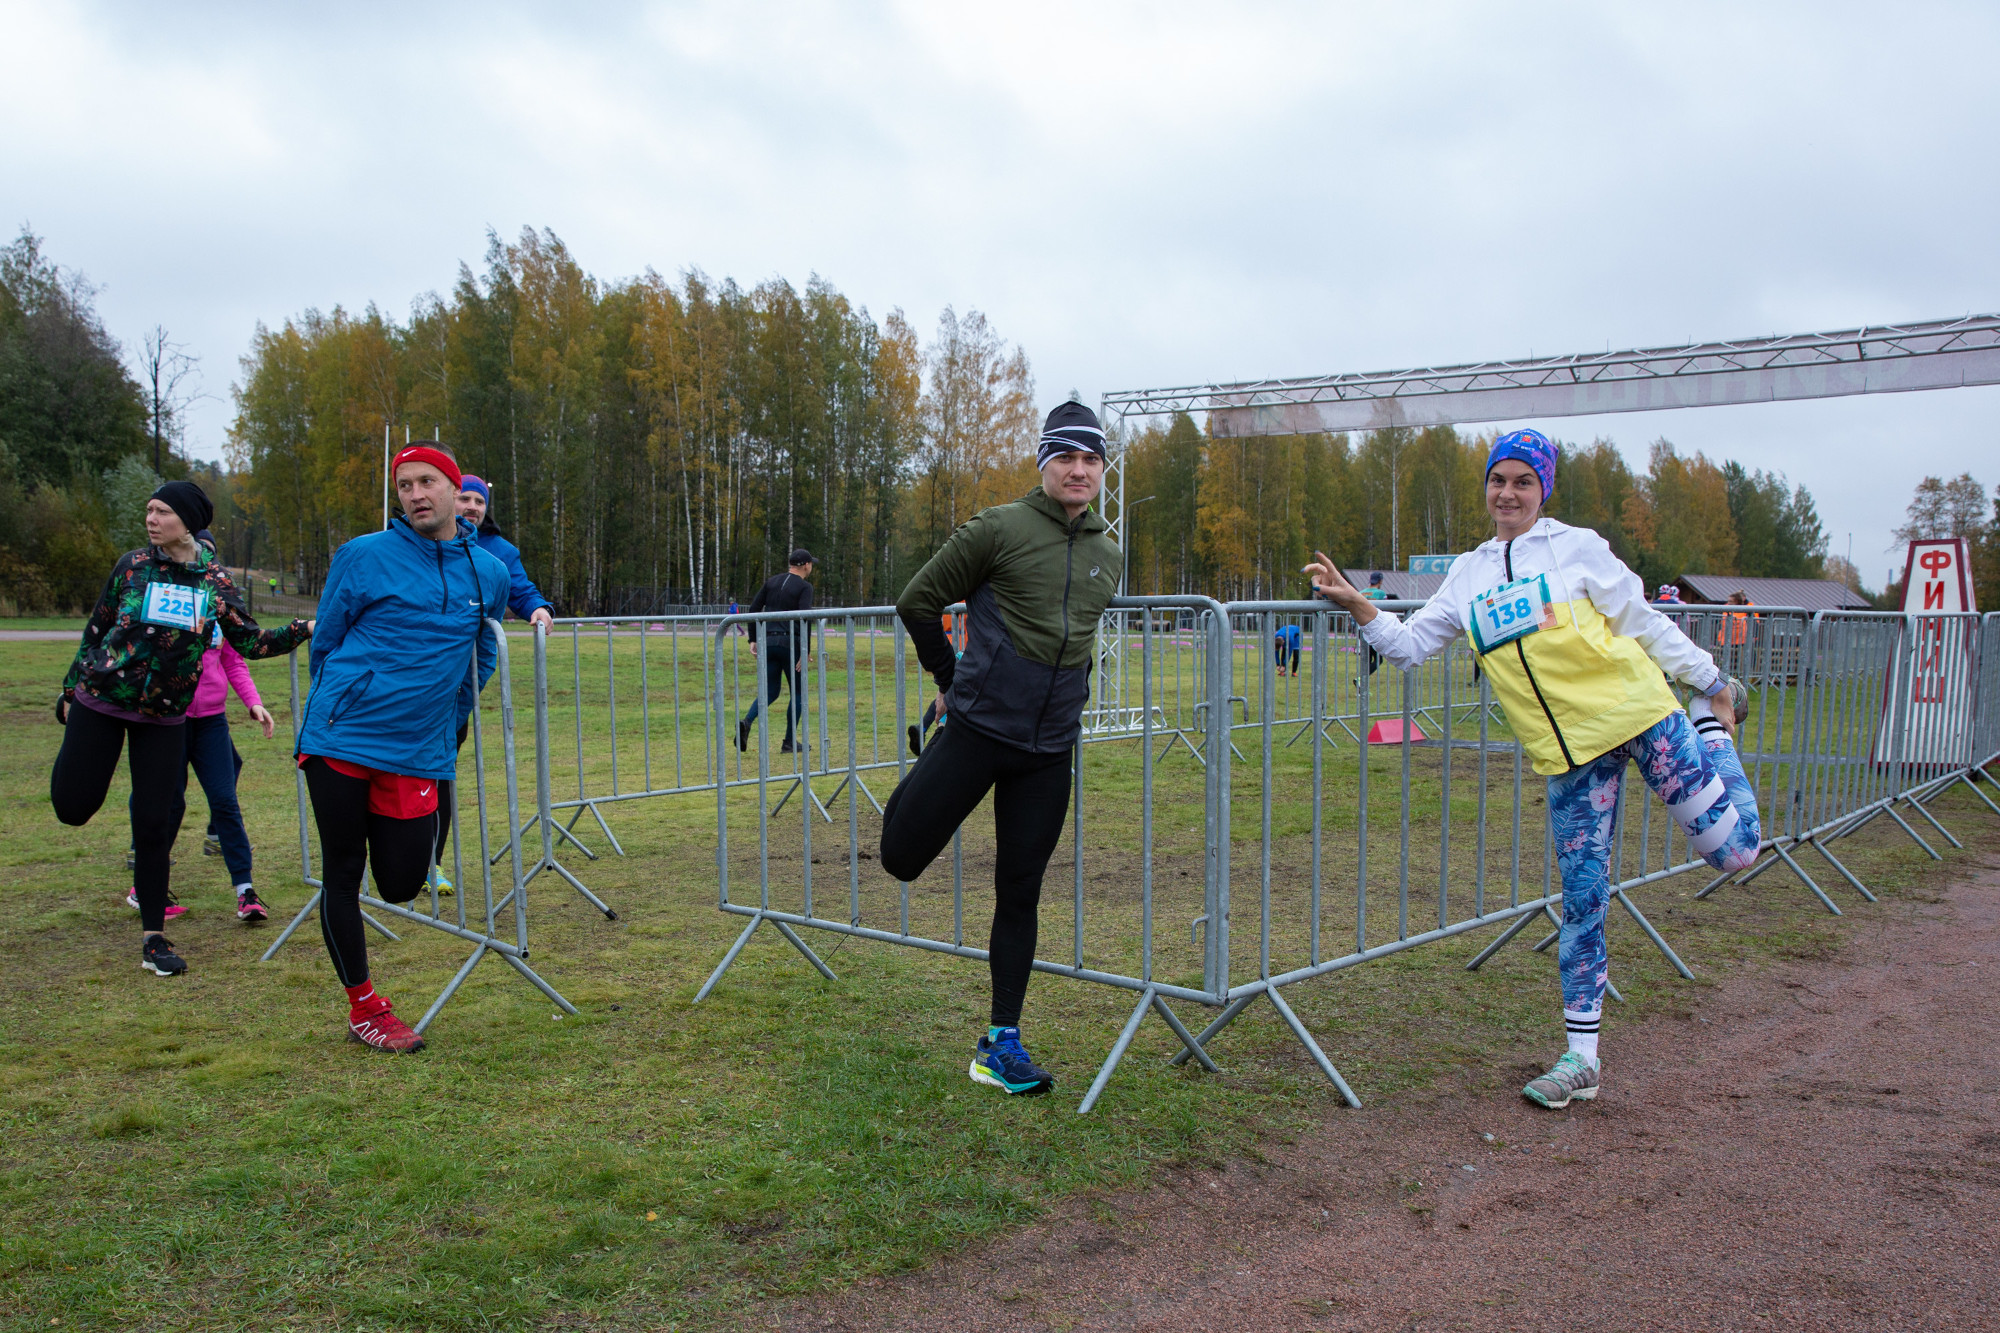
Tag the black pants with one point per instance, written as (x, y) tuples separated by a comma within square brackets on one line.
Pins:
[(1030, 797), (445, 802), (158, 764), (350, 838), (1282, 651), (778, 671)]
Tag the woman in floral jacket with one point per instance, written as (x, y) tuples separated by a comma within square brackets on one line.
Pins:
[(132, 681)]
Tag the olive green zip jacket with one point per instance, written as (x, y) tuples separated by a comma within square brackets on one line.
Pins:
[(1034, 583)]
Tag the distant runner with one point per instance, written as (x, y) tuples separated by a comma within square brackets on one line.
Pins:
[(787, 643)]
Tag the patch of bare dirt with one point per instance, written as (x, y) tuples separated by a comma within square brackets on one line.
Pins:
[(1814, 1146)]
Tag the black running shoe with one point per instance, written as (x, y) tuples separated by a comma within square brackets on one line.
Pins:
[(157, 956), (743, 736)]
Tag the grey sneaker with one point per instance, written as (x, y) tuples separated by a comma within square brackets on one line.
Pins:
[(1739, 700), (1570, 1080)]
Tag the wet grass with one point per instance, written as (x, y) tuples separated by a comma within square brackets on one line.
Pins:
[(207, 1152)]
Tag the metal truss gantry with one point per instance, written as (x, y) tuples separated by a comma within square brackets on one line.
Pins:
[(1878, 358), (1883, 358)]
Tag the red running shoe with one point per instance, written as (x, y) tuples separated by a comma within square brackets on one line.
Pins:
[(382, 1030)]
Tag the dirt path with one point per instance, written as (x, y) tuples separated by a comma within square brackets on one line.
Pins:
[(1818, 1146)]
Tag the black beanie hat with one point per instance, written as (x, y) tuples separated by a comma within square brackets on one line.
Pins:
[(189, 503), (1071, 428)]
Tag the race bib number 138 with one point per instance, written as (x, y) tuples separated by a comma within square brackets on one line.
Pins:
[(171, 606), (1511, 611)]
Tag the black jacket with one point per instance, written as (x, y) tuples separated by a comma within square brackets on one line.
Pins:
[(783, 592)]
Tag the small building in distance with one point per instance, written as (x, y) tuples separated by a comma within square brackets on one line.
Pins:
[(1400, 586), (1810, 594)]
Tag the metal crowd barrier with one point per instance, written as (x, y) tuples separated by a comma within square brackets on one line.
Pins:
[(487, 928), (1852, 716)]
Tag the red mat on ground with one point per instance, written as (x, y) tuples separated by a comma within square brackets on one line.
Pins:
[(1390, 732)]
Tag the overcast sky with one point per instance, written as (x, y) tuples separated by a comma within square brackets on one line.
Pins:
[(1140, 195)]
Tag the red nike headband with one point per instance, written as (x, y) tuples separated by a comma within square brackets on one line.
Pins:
[(423, 453)]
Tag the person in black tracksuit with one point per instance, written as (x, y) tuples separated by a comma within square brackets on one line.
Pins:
[(1035, 576), (788, 591)]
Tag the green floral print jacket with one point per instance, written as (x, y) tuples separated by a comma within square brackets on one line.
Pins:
[(142, 646)]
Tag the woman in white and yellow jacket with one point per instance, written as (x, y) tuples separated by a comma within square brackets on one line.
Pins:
[(1579, 662)]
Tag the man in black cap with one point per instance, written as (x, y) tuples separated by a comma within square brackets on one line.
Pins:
[(788, 591), (1035, 576)]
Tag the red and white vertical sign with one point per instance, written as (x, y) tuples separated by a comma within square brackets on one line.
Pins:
[(1932, 684), (1937, 577)]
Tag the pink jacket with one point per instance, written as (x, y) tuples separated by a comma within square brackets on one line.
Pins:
[(220, 668)]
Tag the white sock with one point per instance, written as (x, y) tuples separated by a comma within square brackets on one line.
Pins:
[(1583, 1025), (240, 887), (1707, 726)]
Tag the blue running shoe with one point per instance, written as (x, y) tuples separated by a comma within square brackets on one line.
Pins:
[(1001, 1061)]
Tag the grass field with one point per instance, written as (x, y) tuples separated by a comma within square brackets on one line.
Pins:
[(208, 1153)]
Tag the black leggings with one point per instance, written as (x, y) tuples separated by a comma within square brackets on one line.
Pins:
[(349, 839), (82, 776), (1030, 798), (445, 797)]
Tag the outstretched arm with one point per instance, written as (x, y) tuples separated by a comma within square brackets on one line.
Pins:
[(1406, 644)]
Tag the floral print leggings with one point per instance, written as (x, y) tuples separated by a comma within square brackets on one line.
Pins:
[(1702, 783)]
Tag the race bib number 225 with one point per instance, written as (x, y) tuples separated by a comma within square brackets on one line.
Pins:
[(1511, 611), (171, 606)]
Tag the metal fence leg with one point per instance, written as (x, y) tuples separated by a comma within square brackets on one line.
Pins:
[(1521, 923), (1974, 786), (599, 814), (1890, 810), (1189, 1045), (379, 926), (1834, 861), (1221, 1021), (1653, 935), (800, 945), (451, 989), (1117, 1052), (539, 984), (1918, 806), (297, 921), (728, 958), (1800, 871), (1312, 1048)]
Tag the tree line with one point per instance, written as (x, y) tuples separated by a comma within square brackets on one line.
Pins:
[(1237, 517), (653, 442), (1955, 507), (85, 436), (648, 441)]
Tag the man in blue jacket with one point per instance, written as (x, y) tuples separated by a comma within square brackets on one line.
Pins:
[(475, 498), (376, 742)]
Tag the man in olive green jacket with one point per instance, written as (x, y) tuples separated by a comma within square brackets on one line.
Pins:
[(1035, 576)]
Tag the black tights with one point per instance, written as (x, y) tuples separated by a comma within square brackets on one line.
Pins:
[(1030, 797), (82, 775), (349, 838), (445, 797)]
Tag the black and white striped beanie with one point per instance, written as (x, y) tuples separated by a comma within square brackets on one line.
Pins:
[(1071, 427)]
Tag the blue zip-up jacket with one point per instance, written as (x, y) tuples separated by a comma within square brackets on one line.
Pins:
[(523, 597), (401, 619)]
